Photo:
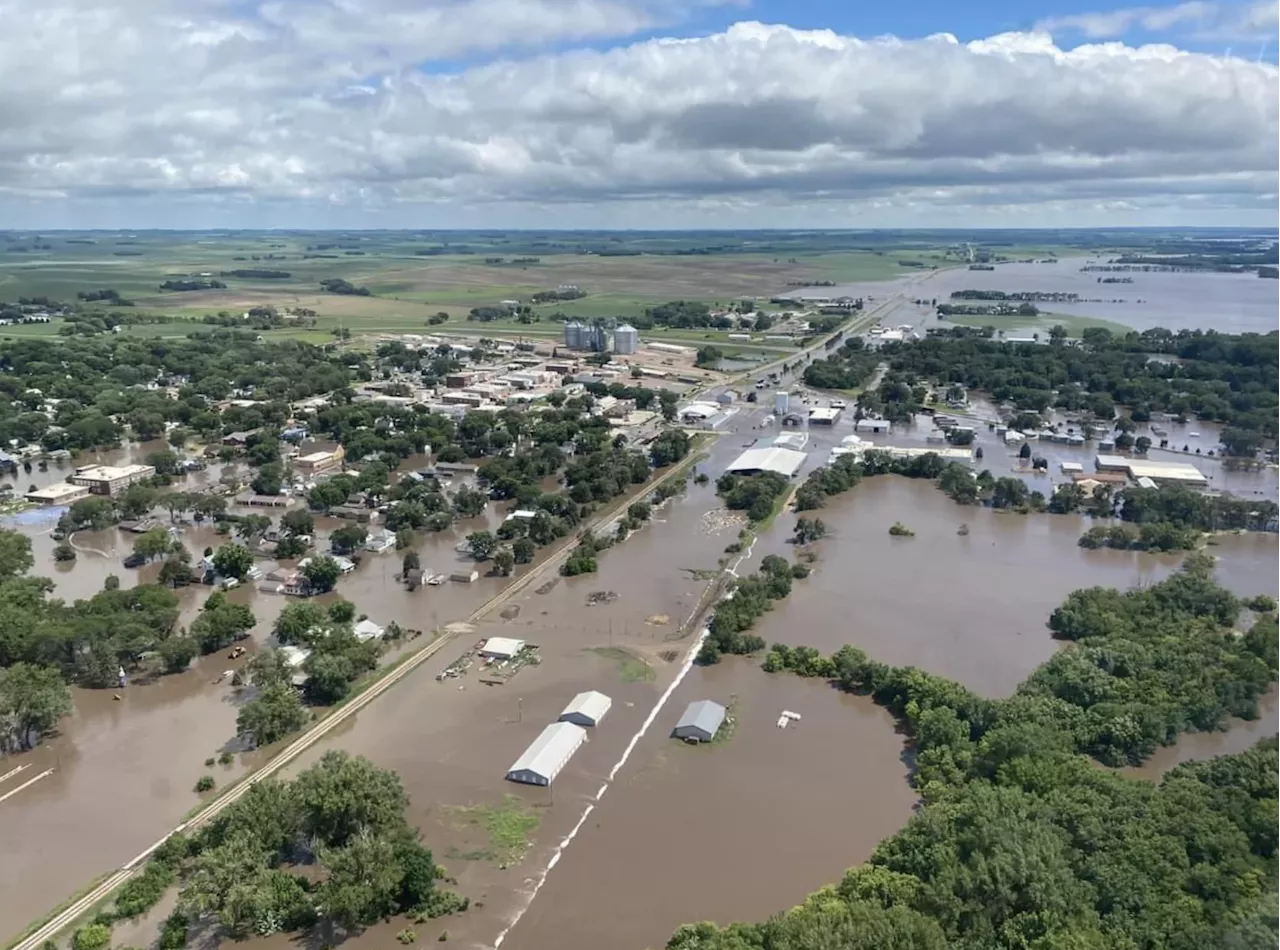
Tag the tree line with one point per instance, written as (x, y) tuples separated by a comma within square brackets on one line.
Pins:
[(1021, 841)]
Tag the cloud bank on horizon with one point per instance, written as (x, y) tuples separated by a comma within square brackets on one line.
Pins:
[(595, 113)]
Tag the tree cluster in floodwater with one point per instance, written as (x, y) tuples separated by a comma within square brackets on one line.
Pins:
[(1024, 842)]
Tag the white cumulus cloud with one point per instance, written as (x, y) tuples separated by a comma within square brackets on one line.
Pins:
[(299, 105)]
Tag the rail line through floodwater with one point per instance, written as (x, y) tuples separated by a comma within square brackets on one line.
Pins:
[(685, 667)]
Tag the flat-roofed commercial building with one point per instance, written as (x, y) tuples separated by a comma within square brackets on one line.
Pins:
[(63, 493), (320, 461), (1168, 473), (110, 480), (548, 754)]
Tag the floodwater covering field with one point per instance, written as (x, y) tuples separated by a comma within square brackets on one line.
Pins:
[(1229, 303)]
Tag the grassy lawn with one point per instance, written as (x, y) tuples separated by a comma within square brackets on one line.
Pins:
[(630, 668), (509, 826)]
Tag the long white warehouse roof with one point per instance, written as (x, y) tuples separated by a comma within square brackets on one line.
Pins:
[(772, 459), (548, 754)]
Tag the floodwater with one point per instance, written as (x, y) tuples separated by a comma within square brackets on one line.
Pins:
[(125, 763), (1230, 303), (664, 844)]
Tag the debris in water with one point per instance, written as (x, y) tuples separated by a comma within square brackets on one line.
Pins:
[(546, 588), (722, 519), (658, 620), (787, 717), (510, 612), (963, 531), (597, 597)]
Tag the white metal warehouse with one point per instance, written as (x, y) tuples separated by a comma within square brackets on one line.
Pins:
[(773, 459), (587, 709), (548, 754)]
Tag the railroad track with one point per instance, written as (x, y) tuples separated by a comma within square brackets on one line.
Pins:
[(100, 892)]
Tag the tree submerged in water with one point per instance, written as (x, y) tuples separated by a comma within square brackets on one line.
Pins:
[(1022, 841), (899, 530)]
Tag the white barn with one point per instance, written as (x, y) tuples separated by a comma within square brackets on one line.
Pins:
[(548, 754), (587, 709)]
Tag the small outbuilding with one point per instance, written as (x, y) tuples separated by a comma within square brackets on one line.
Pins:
[(587, 709), (501, 648), (700, 722), (548, 754)]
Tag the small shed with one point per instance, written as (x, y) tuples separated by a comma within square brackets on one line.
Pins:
[(368, 630), (548, 754), (700, 722), (587, 709), (501, 648)]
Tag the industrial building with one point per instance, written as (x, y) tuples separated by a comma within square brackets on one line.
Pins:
[(548, 754), (700, 722), (699, 411), (61, 493), (1162, 473), (626, 340), (110, 480), (587, 709), (580, 336), (315, 462), (501, 648), (1167, 473), (872, 425), (823, 416), (915, 451), (754, 461)]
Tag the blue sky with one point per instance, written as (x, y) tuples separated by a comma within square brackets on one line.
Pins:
[(579, 113)]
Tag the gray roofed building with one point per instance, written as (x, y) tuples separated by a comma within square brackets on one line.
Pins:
[(587, 709), (785, 462), (700, 722), (548, 754)]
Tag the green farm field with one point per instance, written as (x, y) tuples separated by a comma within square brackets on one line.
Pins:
[(414, 275)]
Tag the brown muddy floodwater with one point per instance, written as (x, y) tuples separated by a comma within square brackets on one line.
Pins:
[(126, 761), (973, 607), (739, 829)]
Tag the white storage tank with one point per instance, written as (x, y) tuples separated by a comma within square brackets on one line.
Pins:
[(781, 403)]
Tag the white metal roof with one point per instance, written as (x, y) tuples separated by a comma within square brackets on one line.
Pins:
[(702, 409), (368, 630), (773, 459), (591, 705), (1169, 471), (548, 753), (824, 414), (502, 646)]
